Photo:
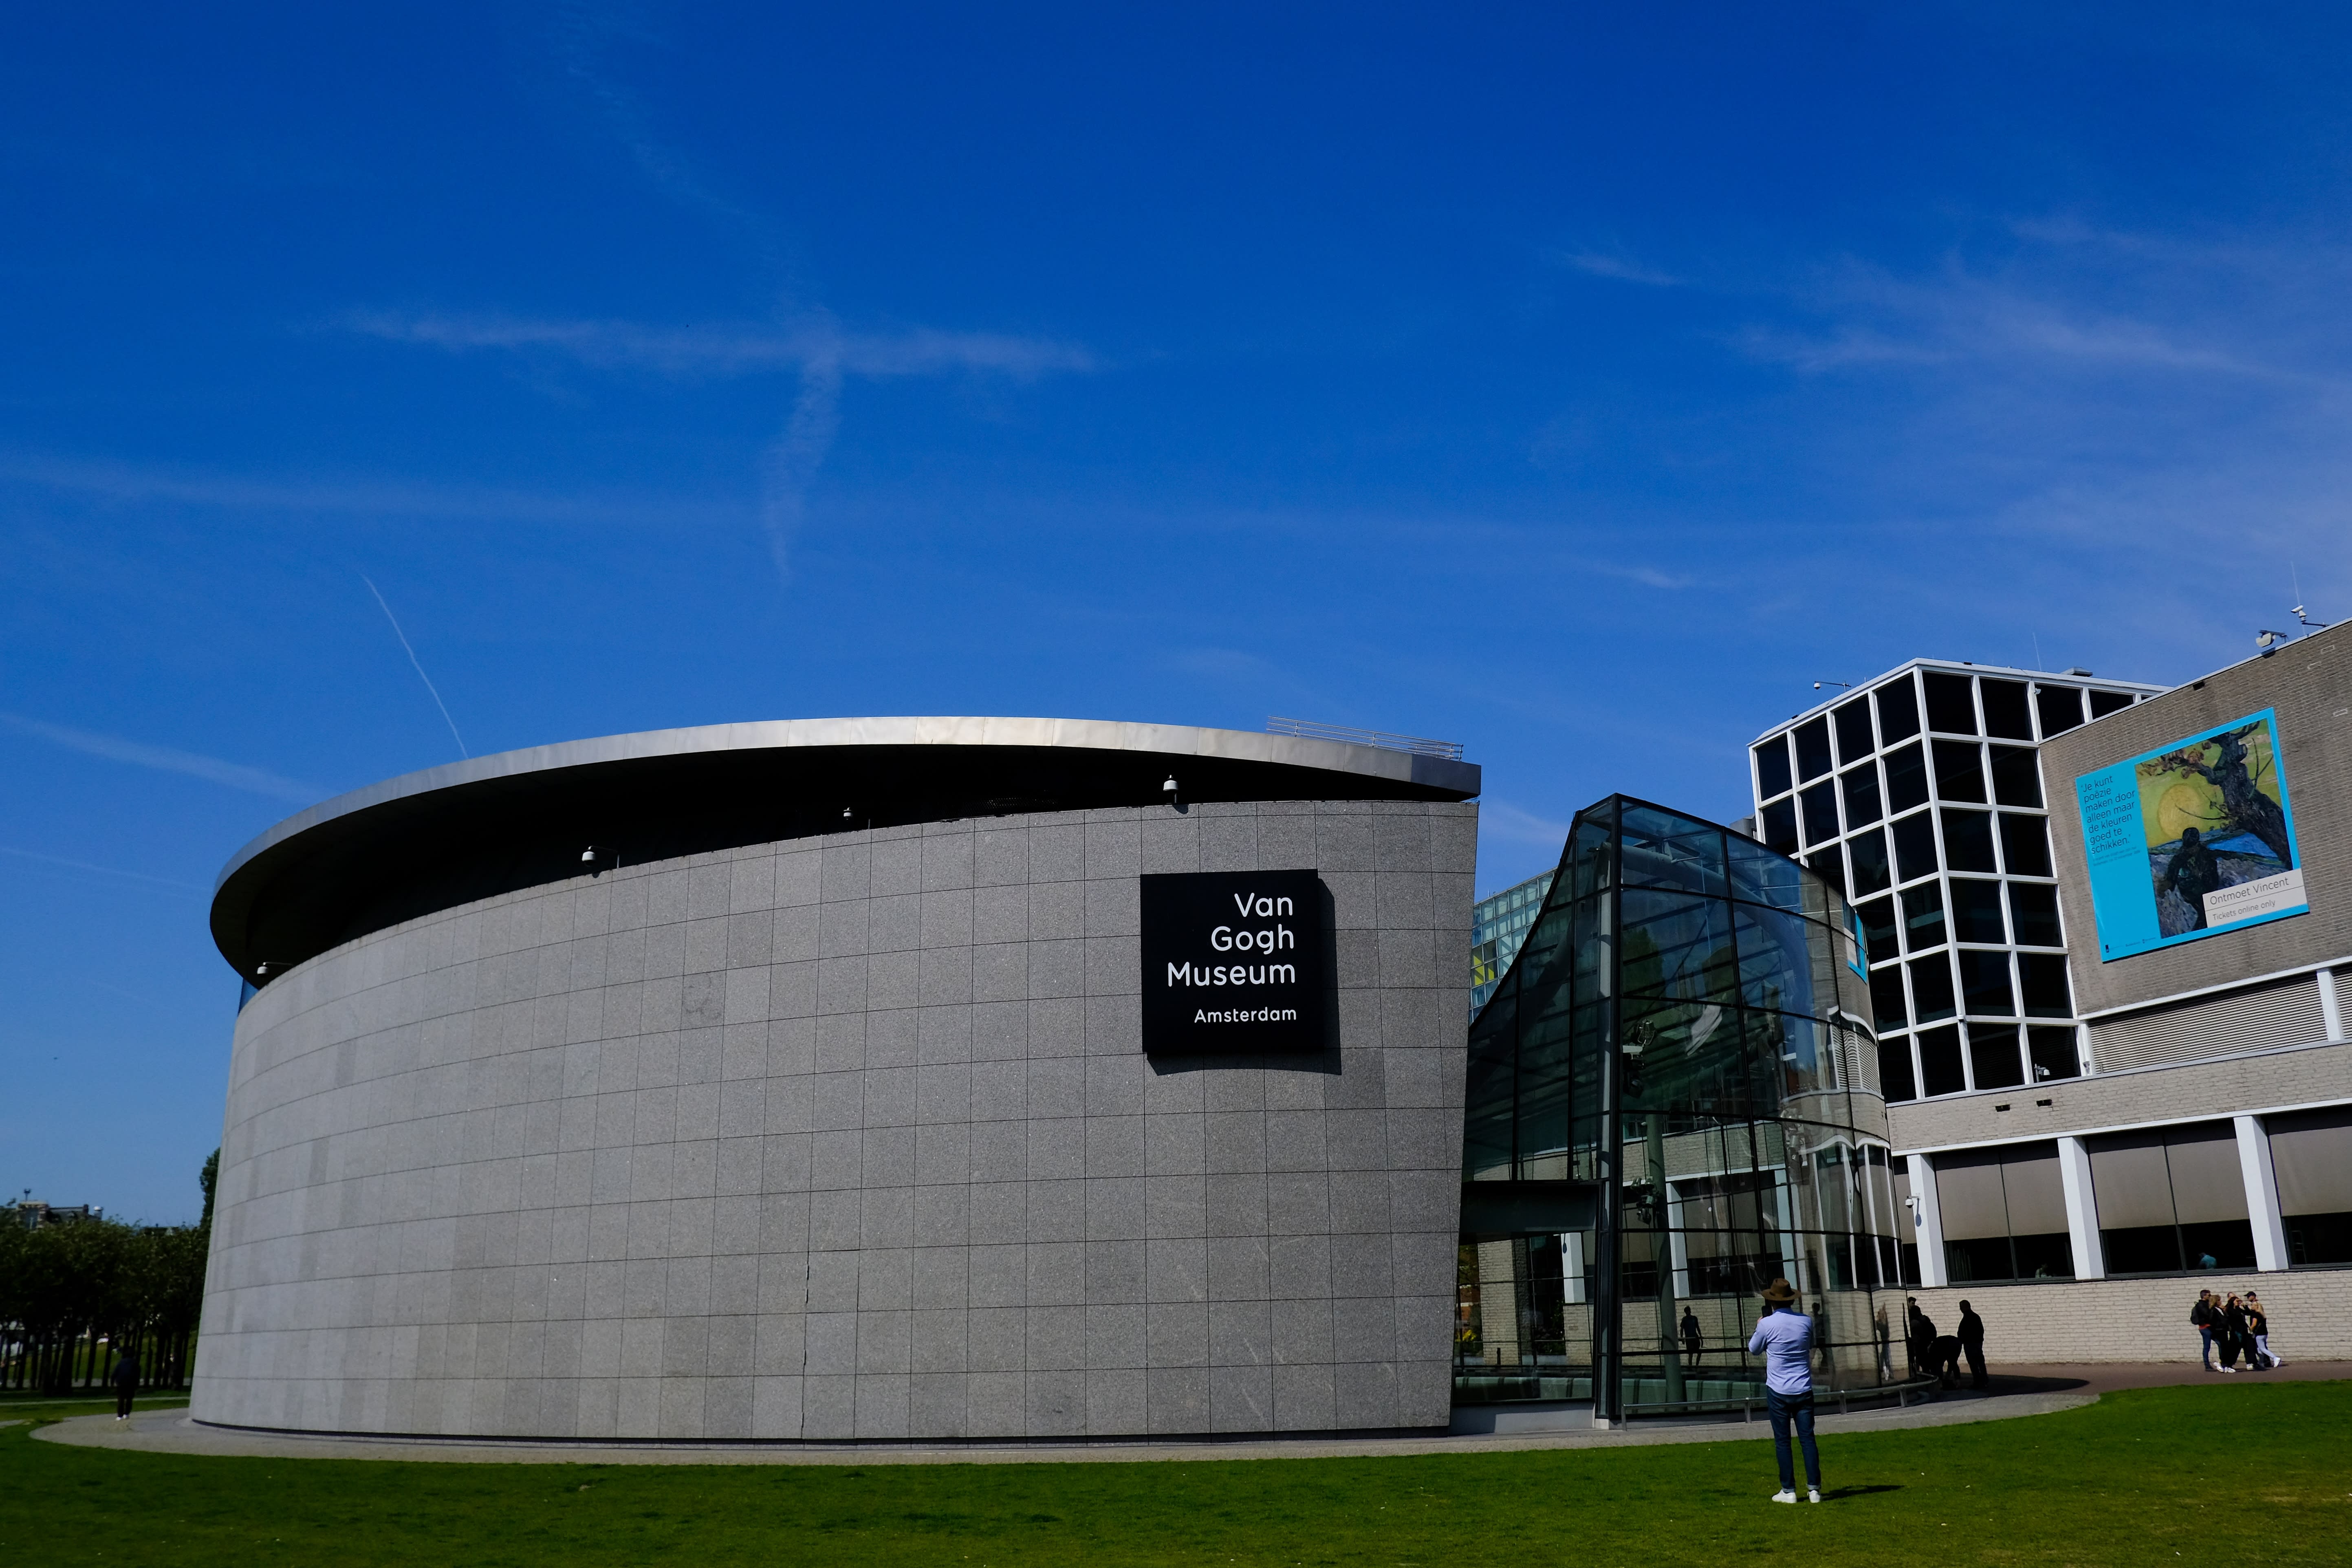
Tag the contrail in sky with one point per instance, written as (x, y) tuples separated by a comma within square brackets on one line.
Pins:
[(415, 665)]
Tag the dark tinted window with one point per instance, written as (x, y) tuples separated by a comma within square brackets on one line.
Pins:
[(1871, 872), (1829, 864), (1853, 731), (1939, 1062), (1976, 910), (1779, 822), (1950, 708), (1772, 767), (1819, 804), (1959, 769), (2004, 709), (2053, 1051), (2025, 845), (2033, 914), (2061, 708), (1923, 918), (1992, 1052), (1878, 928), (1887, 999), (1931, 988), (1907, 779), (1813, 748), (1984, 981), (1915, 847), (1861, 789), (2106, 702), (2016, 776), (1895, 1071), (2042, 977), (1967, 841), (1899, 711)]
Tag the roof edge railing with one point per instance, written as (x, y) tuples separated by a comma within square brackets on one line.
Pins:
[(1419, 746)]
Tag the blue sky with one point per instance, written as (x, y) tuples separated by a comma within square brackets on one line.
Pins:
[(1580, 382)]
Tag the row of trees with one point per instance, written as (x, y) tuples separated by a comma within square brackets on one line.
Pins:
[(73, 1296)]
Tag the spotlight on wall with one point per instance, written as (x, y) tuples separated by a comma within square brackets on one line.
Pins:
[(2265, 640), (1168, 789)]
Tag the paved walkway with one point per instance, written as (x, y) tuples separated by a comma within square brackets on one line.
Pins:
[(2021, 1391)]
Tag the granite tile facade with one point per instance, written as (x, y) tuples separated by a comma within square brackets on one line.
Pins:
[(851, 1138)]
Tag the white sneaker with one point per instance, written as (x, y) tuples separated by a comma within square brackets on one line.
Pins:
[(1784, 1497), (1812, 1494)]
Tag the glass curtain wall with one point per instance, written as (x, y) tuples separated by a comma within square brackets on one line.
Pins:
[(1673, 1092)]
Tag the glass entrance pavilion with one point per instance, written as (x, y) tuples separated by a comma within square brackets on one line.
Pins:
[(1674, 1099)]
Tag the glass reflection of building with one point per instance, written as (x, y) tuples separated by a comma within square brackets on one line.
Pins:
[(1498, 923), (1672, 1099)]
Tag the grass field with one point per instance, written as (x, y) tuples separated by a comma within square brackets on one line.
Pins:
[(2231, 1474)]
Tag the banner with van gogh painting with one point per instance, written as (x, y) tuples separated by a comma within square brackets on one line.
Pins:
[(2191, 838)]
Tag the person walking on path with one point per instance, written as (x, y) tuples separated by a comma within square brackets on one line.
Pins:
[(126, 1382), (2206, 1319), (2257, 1324), (1691, 1339), (1784, 1337), (1971, 1334)]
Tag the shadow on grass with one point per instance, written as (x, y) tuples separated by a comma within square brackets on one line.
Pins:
[(1839, 1494)]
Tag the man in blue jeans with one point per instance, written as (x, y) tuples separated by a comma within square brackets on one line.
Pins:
[(1785, 1338)]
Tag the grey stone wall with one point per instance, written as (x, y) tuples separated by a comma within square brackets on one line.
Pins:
[(850, 1138), (2309, 682)]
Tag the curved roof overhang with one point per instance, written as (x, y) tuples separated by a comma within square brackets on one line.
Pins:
[(447, 836)]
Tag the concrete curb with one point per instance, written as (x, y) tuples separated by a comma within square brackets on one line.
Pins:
[(173, 1432)]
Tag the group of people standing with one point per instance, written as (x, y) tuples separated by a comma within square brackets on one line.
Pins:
[(2235, 1326), (1938, 1355)]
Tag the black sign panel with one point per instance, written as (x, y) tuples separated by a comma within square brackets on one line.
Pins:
[(1234, 961)]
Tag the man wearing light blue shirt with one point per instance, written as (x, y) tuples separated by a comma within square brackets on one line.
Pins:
[(1785, 1340)]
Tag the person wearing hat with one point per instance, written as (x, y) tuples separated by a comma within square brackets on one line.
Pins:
[(1784, 1337)]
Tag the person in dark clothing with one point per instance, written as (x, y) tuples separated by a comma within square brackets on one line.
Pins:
[(1922, 1340), (126, 1382), (2233, 1335), (2192, 872), (1971, 1338), (2206, 1319), (2258, 1327), (1944, 1360), (1691, 1339)]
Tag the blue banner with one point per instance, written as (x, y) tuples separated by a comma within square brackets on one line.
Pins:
[(2191, 838)]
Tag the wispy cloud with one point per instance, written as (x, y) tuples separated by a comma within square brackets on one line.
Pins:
[(357, 497), (1871, 316), (1617, 267), (171, 883), (166, 758), (1513, 825), (737, 349)]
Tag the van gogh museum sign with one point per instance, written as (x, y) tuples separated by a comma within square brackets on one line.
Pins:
[(1234, 961), (2191, 838)]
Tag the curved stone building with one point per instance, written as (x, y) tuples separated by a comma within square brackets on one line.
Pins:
[(842, 1079)]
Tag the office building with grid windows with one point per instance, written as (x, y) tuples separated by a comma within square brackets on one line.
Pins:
[(1919, 795), (1498, 923), (2105, 925)]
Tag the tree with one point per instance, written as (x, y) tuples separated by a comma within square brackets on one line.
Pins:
[(2242, 806)]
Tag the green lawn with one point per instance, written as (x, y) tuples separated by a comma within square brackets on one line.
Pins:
[(2236, 1474)]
